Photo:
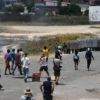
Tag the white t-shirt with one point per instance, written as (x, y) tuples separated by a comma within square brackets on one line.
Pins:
[(21, 54), (24, 98), (44, 63), (26, 62)]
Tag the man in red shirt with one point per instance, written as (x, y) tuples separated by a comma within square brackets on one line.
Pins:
[(17, 62)]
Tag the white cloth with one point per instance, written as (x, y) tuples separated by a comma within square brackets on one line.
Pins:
[(26, 62), (57, 62), (24, 98), (44, 63), (21, 54)]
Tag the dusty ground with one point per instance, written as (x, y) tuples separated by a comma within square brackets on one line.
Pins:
[(31, 31)]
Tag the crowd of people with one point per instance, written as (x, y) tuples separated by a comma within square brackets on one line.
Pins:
[(21, 60)]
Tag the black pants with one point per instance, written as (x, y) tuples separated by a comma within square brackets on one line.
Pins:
[(88, 63), (47, 97), (19, 67)]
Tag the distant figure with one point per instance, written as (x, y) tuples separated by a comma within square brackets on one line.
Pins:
[(25, 62), (57, 68), (43, 64), (21, 53), (65, 47), (17, 62), (45, 51), (7, 60), (88, 56), (48, 89), (12, 54), (0, 77), (76, 59), (56, 45), (27, 94)]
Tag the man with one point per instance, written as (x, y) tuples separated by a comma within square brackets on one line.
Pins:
[(0, 77), (12, 54), (45, 51), (88, 56), (25, 62), (56, 45), (21, 53), (43, 64), (64, 47), (17, 62), (7, 60), (57, 68), (48, 89)]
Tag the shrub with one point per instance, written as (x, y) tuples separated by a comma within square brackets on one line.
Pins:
[(86, 13)]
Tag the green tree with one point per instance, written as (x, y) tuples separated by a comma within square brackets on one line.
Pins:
[(8, 9), (66, 10), (30, 5), (86, 13), (1, 4)]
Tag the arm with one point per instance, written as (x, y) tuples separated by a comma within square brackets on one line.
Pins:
[(51, 46), (39, 61), (78, 58), (42, 61), (39, 47), (92, 56), (41, 88), (52, 86)]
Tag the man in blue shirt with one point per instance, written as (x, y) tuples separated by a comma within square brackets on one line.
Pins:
[(88, 56), (48, 89)]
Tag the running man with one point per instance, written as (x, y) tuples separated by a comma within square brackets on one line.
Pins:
[(43, 64), (45, 51), (76, 59), (88, 56)]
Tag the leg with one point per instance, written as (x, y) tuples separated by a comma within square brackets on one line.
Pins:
[(75, 64), (20, 69), (12, 65), (27, 71), (24, 70), (6, 68), (47, 73), (89, 62), (14, 68)]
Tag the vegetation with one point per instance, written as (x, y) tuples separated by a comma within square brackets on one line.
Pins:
[(1, 4), (86, 13), (30, 47)]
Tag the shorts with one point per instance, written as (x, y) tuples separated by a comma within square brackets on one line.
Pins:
[(43, 68), (56, 73), (47, 97), (7, 65), (75, 59)]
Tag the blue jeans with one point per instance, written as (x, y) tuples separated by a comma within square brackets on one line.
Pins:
[(12, 64), (26, 71)]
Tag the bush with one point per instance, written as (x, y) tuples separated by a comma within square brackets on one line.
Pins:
[(86, 13), (8, 9), (1, 4)]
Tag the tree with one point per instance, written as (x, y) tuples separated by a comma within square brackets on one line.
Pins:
[(30, 5), (8, 9), (86, 13), (1, 4)]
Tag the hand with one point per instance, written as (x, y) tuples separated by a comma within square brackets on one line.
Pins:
[(40, 64), (42, 92), (51, 94)]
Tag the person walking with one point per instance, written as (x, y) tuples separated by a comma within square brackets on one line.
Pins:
[(7, 60), (21, 53), (76, 59), (56, 45), (25, 62), (57, 68), (64, 47), (12, 54), (45, 51), (88, 56), (17, 62), (43, 64), (48, 89), (27, 94), (0, 77)]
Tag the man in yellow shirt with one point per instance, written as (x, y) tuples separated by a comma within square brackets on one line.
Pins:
[(45, 51)]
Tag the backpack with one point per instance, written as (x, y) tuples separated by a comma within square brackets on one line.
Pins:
[(57, 53)]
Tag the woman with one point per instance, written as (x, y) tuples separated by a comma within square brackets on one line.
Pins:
[(76, 59)]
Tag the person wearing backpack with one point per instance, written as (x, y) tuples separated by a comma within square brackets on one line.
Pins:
[(27, 94), (57, 68), (76, 59)]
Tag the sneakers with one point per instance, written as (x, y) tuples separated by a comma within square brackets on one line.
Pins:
[(88, 69), (25, 80), (1, 86)]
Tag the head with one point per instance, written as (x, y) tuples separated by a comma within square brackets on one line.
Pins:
[(42, 55), (59, 47), (20, 49), (8, 51), (49, 78), (25, 54), (45, 47), (17, 50), (76, 52), (13, 50), (88, 49), (64, 42)]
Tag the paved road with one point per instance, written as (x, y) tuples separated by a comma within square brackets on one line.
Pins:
[(77, 85)]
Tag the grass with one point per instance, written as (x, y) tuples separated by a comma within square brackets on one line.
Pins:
[(98, 26), (31, 48)]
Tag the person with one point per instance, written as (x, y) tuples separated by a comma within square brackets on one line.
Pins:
[(58, 52), (27, 94), (48, 89), (45, 51), (7, 60), (57, 68), (0, 77), (21, 53), (65, 47), (56, 45), (88, 56), (17, 62), (12, 54), (43, 64), (76, 59), (25, 62)]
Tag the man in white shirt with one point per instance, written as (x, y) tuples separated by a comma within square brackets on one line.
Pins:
[(25, 62), (43, 64)]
